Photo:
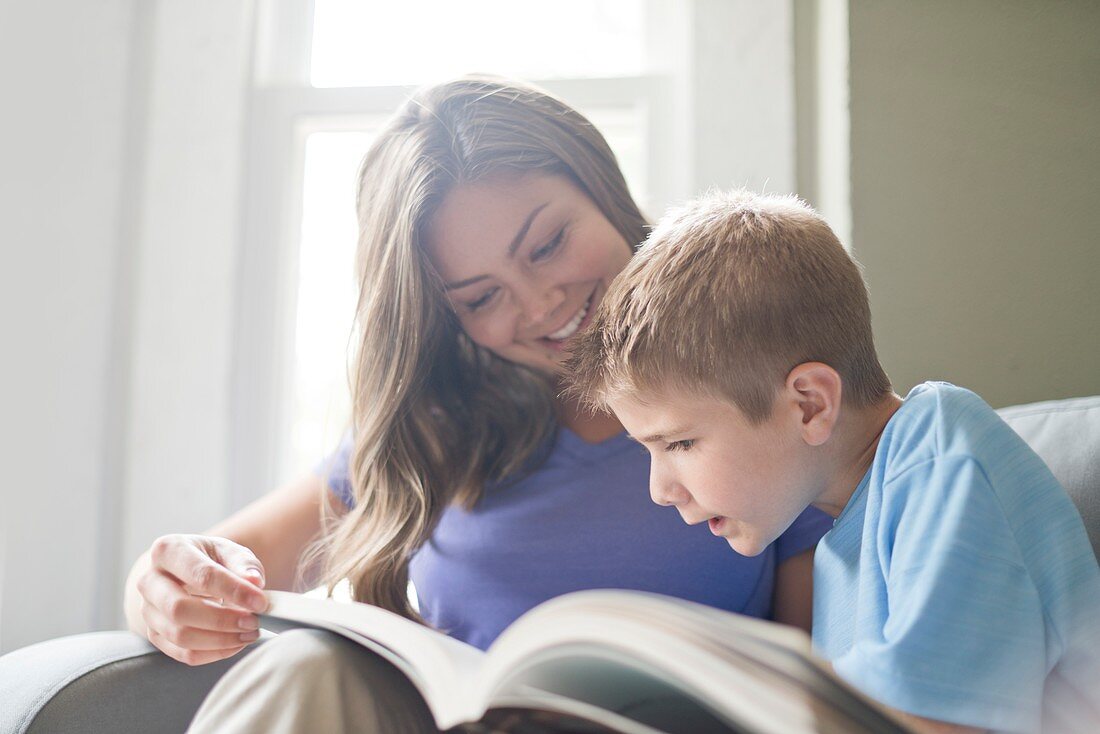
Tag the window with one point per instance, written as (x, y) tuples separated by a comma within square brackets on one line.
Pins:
[(354, 43)]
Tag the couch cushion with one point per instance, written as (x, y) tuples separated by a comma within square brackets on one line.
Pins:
[(1066, 434), (101, 681)]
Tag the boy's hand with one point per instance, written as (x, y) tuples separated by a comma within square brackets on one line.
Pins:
[(198, 597)]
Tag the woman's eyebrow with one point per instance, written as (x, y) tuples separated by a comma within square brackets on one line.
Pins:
[(516, 242), (518, 239)]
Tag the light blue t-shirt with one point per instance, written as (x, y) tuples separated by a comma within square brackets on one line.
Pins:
[(581, 520), (958, 583)]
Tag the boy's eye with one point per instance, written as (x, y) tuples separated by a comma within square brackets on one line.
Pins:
[(681, 445), (483, 300), (549, 248)]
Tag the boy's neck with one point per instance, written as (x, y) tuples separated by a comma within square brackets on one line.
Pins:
[(858, 436)]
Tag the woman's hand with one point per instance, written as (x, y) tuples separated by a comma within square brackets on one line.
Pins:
[(194, 597)]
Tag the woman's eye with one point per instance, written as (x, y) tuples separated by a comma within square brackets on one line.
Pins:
[(483, 300), (549, 248), (680, 445)]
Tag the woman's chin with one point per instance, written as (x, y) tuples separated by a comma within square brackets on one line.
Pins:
[(541, 358)]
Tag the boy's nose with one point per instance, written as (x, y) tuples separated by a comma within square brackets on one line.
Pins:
[(665, 492)]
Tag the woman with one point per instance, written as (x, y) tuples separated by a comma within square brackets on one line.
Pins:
[(492, 217)]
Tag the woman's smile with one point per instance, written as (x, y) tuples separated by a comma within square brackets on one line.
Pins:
[(570, 328), (558, 339)]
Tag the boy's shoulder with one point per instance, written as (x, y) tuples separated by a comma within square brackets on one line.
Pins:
[(941, 421), (948, 457)]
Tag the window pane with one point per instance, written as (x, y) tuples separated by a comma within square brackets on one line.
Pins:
[(326, 296), (381, 42), (326, 280)]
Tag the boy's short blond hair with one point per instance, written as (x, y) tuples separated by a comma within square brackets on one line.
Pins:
[(727, 295)]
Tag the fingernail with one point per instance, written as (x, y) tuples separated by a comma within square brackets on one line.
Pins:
[(249, 636), (257, 603), (248, 623)]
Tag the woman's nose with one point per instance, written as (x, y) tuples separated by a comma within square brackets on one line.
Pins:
[(540, 304)]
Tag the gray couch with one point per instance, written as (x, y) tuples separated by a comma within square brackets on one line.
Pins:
[(117, 682)]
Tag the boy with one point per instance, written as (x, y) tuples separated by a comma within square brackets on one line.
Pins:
[(957, 585)]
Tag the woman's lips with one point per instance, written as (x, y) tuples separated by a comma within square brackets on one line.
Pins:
[(572, 325), (559, 345)]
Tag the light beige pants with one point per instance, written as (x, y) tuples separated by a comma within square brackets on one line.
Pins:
[(312, 681)]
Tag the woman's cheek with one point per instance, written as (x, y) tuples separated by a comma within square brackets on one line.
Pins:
[(617, 258), (606, 255), (492, 333), (588, 264)]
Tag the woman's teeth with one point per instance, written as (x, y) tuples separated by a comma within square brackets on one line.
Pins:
[(569, 329)]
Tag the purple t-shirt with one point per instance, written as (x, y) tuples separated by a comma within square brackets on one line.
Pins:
[(581, 520)]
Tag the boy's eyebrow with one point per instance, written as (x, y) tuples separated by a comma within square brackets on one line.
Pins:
[(658, 437), (512, 247)]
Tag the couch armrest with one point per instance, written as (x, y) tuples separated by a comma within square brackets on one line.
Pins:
[(101, 681), (1066, 435)]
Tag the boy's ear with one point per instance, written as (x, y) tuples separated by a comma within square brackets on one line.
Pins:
[(816, 388)]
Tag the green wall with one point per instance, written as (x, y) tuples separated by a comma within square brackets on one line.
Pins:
[(975, 191)]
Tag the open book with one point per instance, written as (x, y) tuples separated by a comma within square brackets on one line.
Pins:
[(599, 661)]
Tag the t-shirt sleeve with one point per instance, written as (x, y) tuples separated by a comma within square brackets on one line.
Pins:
[(333, 470), (803, 534), (964, 637)]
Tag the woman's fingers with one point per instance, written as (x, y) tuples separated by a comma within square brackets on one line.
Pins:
[(163, 593), (190, 657), (195, 567), (195, 638)]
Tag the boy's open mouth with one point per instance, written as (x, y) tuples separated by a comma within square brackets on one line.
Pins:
[(715, 524)]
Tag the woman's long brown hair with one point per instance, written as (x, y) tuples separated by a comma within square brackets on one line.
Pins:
[(435, 417)]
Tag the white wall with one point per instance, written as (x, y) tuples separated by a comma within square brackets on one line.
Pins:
[(176, 469), (66, 80), (728, 67), (122, 139)]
